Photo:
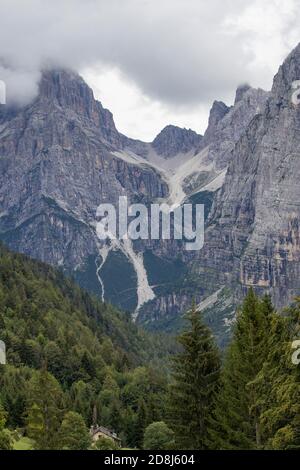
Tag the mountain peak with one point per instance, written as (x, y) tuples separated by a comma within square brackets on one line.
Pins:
[(173, 140), (241, 90), (288, 72), (65, 86), (217, 112), (69, 91)]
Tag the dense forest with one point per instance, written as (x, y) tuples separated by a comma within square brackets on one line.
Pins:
[(81, 355), (73, 362)]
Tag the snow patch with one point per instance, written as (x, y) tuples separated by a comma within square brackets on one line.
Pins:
[(228, 322), (103, 253), (174, 171), (144, 291), (209, 301), (216, 183)]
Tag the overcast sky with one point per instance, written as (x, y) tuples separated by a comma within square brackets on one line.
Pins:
[(151, 62)]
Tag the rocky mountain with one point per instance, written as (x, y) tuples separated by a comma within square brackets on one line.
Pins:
[(61, 156), (57, 165), (252, 234), (173, 140), (255, 217)]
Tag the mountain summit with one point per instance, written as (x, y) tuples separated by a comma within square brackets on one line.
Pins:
[(288, 72), (173, 140), (66, 90)]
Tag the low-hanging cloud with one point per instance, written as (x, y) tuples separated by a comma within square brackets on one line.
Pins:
[(179, 52)]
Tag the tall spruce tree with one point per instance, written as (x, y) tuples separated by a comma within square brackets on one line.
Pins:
[(44, 410), (236, 418), (279, 384), (195, 376), (141, 424)]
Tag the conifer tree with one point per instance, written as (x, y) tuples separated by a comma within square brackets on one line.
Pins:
[(236, 418), (279, 383), (195, 375), (141, 424), (44, 411), (5, 437)]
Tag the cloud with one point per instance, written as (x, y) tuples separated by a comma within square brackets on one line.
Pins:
[(178, 53), (270, 29), (136, 115)]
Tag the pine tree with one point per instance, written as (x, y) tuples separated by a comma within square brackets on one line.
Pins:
[(5, 437), (195, 375), (236, 419), (141, 423), (115, 418), (44, 410), (279, 383)]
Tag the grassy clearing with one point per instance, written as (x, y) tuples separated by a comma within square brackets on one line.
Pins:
[(23, 444)]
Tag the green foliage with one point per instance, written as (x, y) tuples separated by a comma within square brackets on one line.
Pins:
[(104, 443), (195, 375), (74, 434), (141, 423), (258, 404), (73, 362), (158, 437), (279, 384), (91, 356), (237, 414), (24, 443), (44, 410), (6, 442)]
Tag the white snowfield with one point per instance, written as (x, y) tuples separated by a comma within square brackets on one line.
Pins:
[(209, 301), (144, 291), (216, 183), (103, 253), (176, 172)]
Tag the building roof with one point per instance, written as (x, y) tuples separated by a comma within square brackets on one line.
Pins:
[(106, 431)]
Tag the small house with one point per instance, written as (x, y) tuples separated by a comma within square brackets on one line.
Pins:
[(100, 431)]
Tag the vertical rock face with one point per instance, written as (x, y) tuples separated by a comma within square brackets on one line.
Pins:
[(68, 91), (255, 217), (226, 125), (217, 113), (274, 241)]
